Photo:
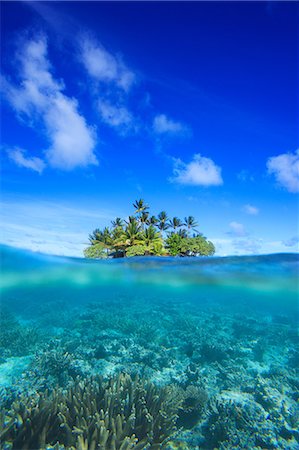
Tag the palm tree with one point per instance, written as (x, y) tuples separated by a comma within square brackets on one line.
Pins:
[(143, 219), (176, 223), (118, 222), (131, 219), (162, 224), (162, 216), (191, 223), (102, 237), (138, 234), (152, 239), (95, 236), (140, 206), (153, 220), (182, 233), (106, 239), (151, 236), (116, 233), (131, 235)]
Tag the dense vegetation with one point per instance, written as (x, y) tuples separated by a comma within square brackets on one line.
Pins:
[(143, 234)]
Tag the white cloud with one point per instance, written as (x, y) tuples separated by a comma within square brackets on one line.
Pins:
[(105, 67), (39, 98), (73, 141), (115, 116), (201, 171), (164, 125), (250, 209), (285, 168), (34, 163), (247, 246), (237, 229), (42, 240), (115, 82)]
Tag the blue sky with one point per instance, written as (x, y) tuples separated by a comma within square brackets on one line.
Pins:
[(191, 106)]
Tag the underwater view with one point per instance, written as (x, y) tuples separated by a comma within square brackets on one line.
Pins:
[(147, 353)]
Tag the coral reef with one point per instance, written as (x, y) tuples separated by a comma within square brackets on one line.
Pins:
[(120, 413), (16, 339), (232, 374)]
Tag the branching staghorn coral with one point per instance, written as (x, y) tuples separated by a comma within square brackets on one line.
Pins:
[(119, 414)]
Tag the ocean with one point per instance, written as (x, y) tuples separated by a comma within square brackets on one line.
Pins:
[(148, 353)]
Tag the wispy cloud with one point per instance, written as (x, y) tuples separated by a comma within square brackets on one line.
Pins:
[(241, 246), (30, 162), (292, 242), (285, 168), (164, 125), (251, 210), (237, 229), (103, 66), (42, 240), (39, 98), (54, 228), (112, 82), (201, 171), (117, 117), (247, 246)]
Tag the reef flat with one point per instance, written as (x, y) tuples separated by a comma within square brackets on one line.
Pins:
[(194, 354)]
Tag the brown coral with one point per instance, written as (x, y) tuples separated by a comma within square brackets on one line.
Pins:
[(118, 414)]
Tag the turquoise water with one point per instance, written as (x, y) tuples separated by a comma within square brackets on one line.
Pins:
[(222, 333)]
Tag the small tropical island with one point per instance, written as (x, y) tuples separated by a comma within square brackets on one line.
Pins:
[(143, 234)]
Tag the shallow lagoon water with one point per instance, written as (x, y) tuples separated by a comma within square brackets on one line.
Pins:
[(222, 332)]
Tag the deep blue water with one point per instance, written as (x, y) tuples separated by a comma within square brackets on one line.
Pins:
[(228, 326)]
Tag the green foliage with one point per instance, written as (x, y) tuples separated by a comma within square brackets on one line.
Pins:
[(197, 245), (153, 220), (151, 236), (140, 206), (131, 234), (144, 218), (162, 221), (116, 233), (143, 234), (175, 223), (118, 222), (136, 250), (185, 246), (95, 251), (174, 244), (190, 223), (157, 248)]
